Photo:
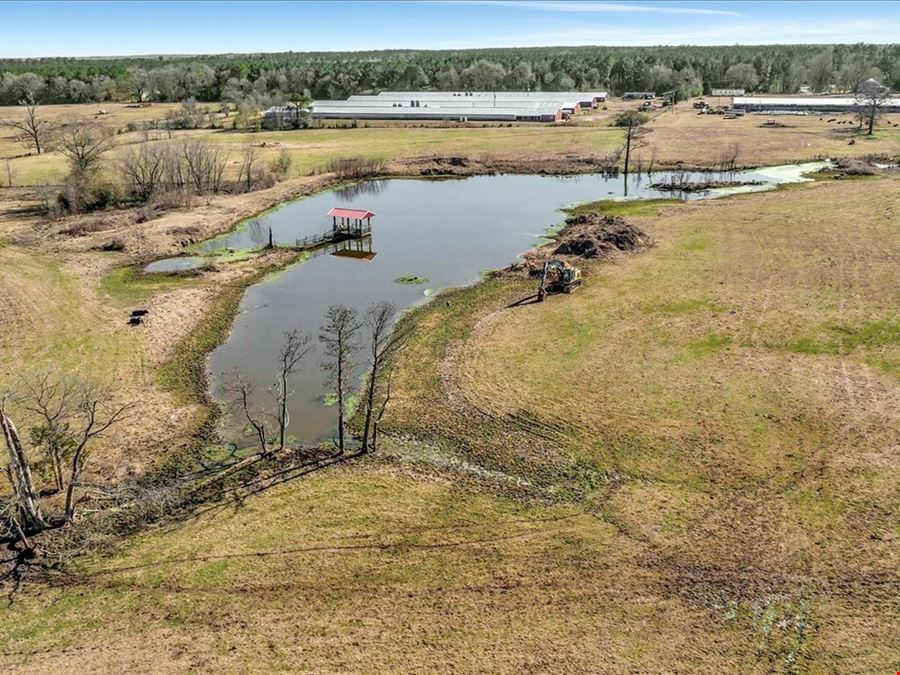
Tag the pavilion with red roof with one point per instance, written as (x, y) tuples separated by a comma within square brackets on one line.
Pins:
[(353, 223)]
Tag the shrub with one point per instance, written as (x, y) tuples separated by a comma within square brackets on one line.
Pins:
[(631, 118), (356, 167), (86, 193), (281, 165)]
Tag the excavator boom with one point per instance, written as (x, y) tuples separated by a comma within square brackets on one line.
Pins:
[(558, 276)]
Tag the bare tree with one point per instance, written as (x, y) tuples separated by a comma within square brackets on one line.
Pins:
[(144, 168), (385, 342), (9, 173), (338, 335), (727, 158), (631, 121), (83, 142), (95, 414), (78, 413), (868, 107), (31, 131), (295, 347), (382, 406), (204, 165), (51, 399), (243, 390), (245, 171)]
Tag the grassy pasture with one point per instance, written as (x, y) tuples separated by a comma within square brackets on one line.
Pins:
[(313, 149), (703, 433), (705, 493), (697, 140), (681, 136), (365, 570)]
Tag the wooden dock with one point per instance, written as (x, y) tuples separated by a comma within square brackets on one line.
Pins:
[(347, 224)]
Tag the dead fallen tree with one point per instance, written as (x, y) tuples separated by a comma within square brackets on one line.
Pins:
[(67, 416)]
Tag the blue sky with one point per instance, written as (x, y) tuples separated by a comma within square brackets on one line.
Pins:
[(121, 28)]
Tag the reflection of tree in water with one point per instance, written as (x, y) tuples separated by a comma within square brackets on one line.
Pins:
[(366, 187), (258, 233)]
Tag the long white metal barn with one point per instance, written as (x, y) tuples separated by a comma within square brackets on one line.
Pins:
[(460, 106), (822, 104)]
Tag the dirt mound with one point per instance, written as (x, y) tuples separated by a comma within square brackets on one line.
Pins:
[(594, 236)]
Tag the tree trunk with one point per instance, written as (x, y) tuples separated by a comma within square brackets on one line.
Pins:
[(282, 419), (70, 501), (370, 403), (20, 470), (628, 148), (340, 393), (57, 471), (73, 480)]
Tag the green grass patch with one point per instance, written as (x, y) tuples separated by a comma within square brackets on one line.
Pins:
[(686, 306), (845, 339), (234, 255), (817, 508), (808, 346), (696, 244), (412, 280), (709, 344), (616, 207), (128, 285)]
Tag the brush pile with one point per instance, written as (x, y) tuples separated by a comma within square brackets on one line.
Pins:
[(592, 236)]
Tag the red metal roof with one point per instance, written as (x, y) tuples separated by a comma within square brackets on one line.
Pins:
[(350, 213)]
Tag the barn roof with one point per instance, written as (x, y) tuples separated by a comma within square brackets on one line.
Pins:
[(338, 212)]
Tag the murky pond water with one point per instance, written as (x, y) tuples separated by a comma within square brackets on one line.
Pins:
[(446, 232), (181, 264)]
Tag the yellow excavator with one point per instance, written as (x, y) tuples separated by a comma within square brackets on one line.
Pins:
[(558, 276)]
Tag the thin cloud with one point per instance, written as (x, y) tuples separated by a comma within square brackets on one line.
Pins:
[(599, 7), (749, 33)]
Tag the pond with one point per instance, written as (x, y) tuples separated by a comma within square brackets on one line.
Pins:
[(427, 235)]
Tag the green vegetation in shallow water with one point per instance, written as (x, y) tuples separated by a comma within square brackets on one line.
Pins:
[(412, 280), (184, 373), (351, 401), (618, 207), (234, 255), (127, 285)]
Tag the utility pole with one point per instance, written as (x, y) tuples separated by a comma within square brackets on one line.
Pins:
[(628, 135)]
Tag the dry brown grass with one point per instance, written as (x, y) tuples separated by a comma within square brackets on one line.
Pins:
[(704, 435), (696, 140), (729, 400), (370, 571)]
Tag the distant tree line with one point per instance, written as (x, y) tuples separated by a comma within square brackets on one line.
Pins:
[(260, 79)]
